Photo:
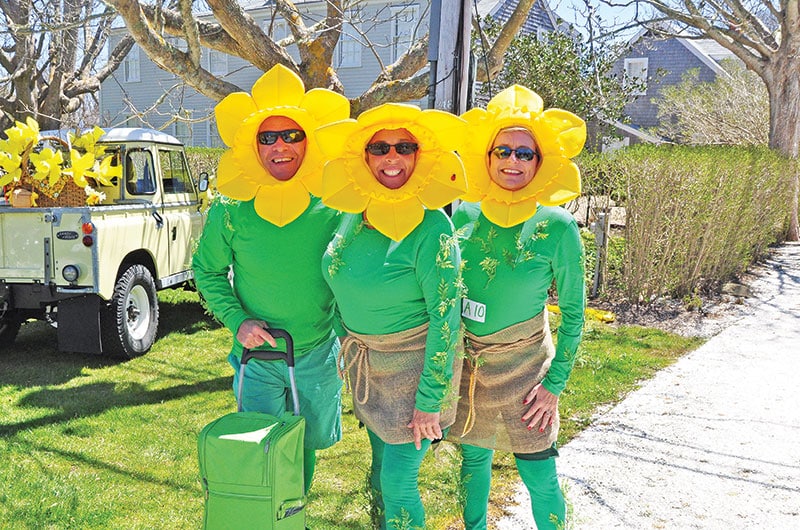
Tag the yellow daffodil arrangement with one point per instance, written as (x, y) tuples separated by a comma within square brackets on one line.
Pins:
[(279, 92), (27, 162), (559, 135), (438, 177)]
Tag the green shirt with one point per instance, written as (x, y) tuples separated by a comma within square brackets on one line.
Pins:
[(508, 272), (384, 286), (276, 272)]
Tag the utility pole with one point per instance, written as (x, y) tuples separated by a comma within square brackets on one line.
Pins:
[(448, 53)]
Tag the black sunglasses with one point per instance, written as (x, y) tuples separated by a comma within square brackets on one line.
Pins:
[(525, 154), (289, 136), (401, 148)]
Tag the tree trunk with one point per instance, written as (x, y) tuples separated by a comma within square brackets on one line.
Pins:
[(784, 123)]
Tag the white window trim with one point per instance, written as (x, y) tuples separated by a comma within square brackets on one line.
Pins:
[(641, 64), (132, 66), (348, 49), (397, 46), (217, 63)]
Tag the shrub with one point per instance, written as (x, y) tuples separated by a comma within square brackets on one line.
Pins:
[(698, 215)]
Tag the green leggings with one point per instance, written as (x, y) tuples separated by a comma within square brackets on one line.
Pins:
[(396, 483), (538, 473)]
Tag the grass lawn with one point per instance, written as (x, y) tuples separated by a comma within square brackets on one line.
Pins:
[(93, 443)]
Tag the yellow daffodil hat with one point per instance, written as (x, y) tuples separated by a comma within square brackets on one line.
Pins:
[(240, 176), (559, 134), (438, 177)]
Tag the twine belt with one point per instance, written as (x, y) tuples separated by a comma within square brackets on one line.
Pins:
[(360, 360), (401, 341), (475, 348)]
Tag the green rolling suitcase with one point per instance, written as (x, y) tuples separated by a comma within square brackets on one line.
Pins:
[(251, 464)]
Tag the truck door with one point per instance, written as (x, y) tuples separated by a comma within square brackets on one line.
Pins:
[(150, 232), (181, 208)]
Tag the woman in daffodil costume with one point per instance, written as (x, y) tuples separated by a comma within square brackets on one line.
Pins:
[(269, 230), (516, 242), (394, 269)]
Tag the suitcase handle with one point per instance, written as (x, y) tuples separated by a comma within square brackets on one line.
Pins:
[(271, 355)]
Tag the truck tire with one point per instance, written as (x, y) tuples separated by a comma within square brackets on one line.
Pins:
[(129, 328), (9, 327)]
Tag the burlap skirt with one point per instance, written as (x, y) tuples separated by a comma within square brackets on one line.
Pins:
[(500, 369), (384, 373)]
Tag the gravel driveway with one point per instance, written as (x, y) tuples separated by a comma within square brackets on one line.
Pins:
[(712, 441)]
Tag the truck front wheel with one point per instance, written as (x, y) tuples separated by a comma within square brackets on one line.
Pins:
[(130, 327)]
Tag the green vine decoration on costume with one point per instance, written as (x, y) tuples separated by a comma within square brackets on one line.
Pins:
[(489, 266), (336, 248)]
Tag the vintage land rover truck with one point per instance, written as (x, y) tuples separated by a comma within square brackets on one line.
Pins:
[(93, 271)]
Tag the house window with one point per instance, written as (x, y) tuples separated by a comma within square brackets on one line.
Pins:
[(276, 29), (183, 127), (214, 139), (131, 65), (404, 24), (541, 34), (217, 63), (636, 73), (348, 50)]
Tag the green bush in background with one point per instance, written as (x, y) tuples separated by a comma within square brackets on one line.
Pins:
[(695, 216)]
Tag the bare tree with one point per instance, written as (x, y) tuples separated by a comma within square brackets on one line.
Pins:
[(230, 29), (50, 58), (765, 36)]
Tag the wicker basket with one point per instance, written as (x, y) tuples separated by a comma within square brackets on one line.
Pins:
[(63, 193)]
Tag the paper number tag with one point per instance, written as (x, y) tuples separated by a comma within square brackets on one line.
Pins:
[(473, 310)]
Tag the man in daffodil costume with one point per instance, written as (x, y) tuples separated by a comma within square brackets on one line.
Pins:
[(268, 230), (394, 268), (516, 243)]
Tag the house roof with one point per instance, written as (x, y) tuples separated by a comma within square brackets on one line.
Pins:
[(708, 51), (491, 7)]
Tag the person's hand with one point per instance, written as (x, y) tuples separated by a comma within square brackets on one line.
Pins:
[(425, 425), (253, 333), (544, 407)]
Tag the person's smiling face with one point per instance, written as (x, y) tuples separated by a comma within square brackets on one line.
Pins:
[(392, 169), (282, 159), (512, 173)]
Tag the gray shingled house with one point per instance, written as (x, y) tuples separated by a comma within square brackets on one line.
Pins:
[(659, 62)]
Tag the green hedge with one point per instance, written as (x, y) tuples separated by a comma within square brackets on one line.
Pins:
[(696, 216)]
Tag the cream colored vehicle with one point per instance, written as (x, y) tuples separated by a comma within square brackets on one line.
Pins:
[(93, 271)]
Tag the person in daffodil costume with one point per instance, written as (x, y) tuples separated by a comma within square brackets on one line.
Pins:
[(393, 266), (516, 243), (269, 231)]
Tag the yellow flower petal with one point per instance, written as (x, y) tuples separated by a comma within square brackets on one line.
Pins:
[(333, 138), (339, 191), (278, 87), (448, 182), (280, 206), (451, 131), (506, 215), (395, 220), (560, 132), (563, 186), (517, 99), (326, 106), (230, 113)]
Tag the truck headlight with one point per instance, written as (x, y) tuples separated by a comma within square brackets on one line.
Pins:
[(71, 273)]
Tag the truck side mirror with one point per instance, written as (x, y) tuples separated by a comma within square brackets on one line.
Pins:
[(202, 183)]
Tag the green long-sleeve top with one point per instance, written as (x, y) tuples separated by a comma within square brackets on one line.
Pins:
[(384, 286), (276, 273), (508, 271)]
